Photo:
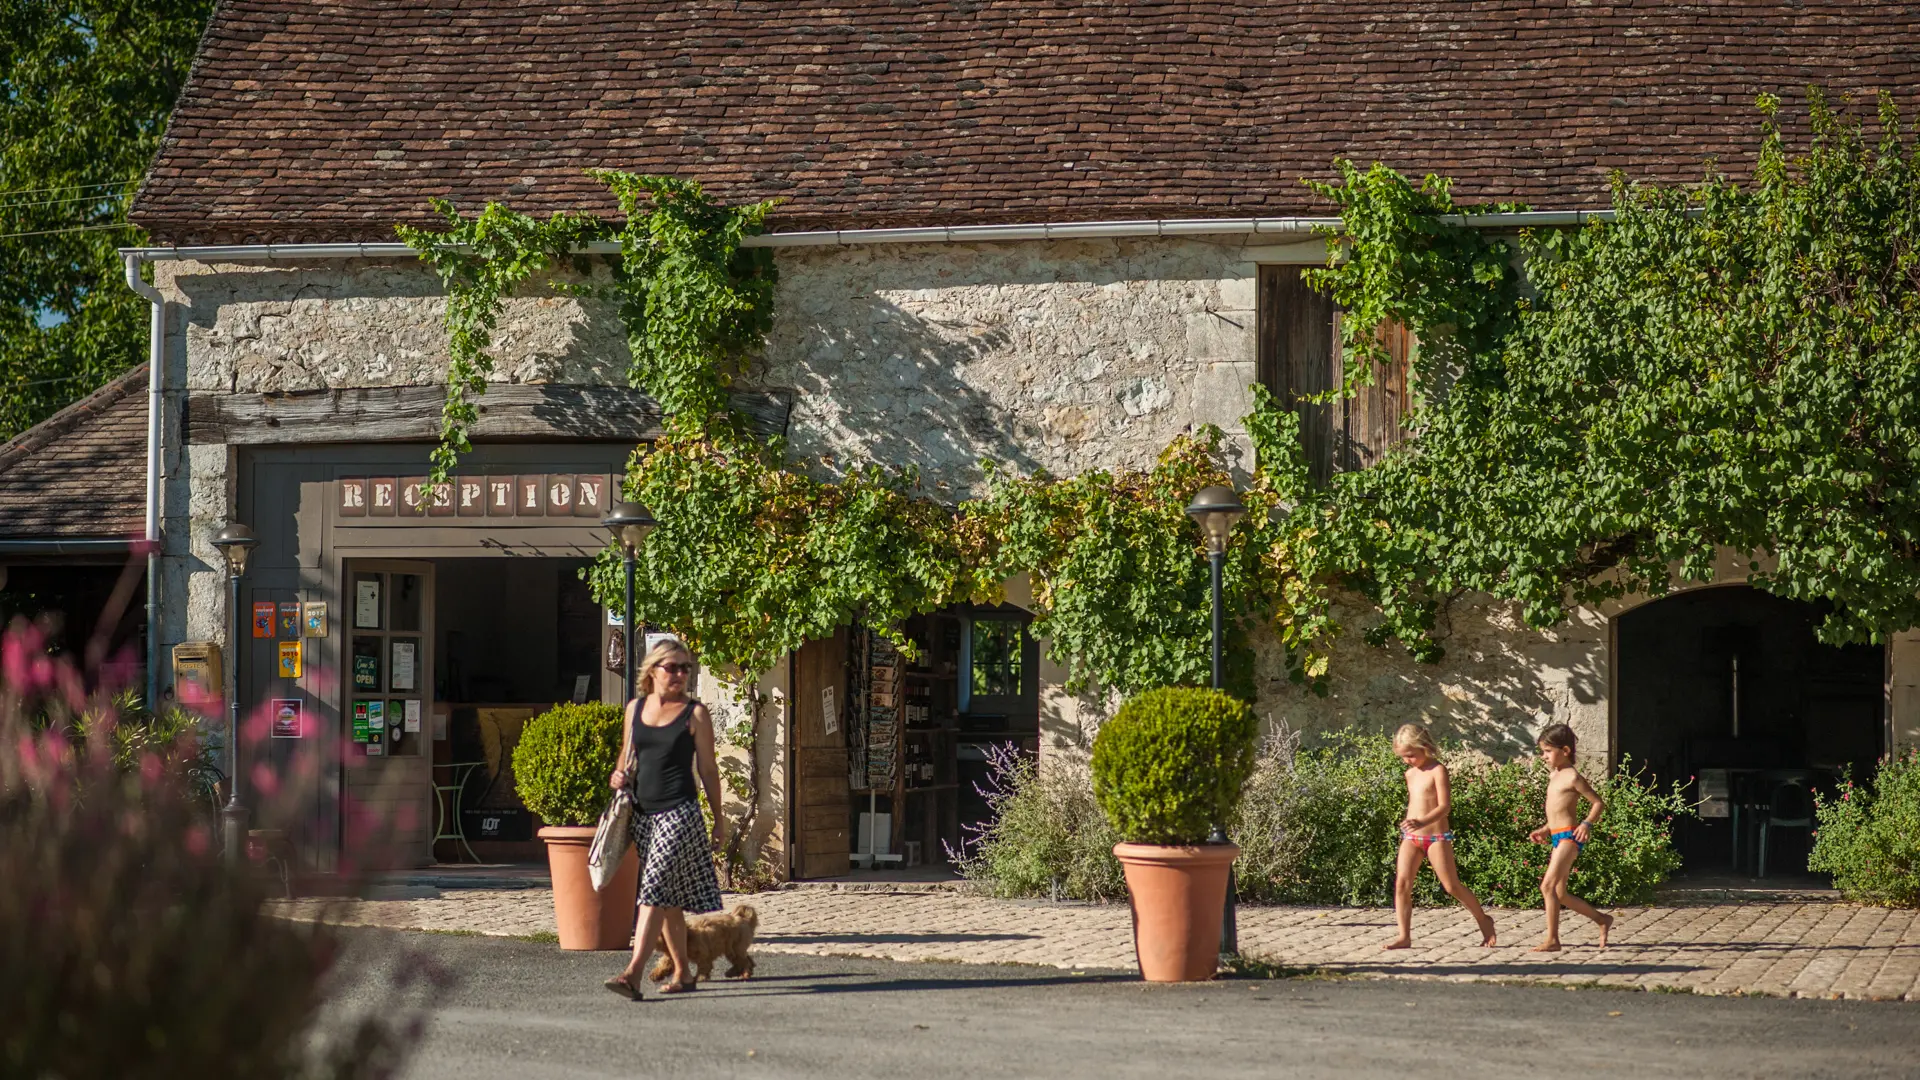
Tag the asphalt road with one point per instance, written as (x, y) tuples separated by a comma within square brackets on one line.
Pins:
[(529, 1011)]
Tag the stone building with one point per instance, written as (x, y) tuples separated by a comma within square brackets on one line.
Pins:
[(1052, 236)]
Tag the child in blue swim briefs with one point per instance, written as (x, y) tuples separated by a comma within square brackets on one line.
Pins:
[(1565, 788)]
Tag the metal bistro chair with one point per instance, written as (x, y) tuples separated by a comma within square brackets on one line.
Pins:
[(1790, 807), (448, 824)]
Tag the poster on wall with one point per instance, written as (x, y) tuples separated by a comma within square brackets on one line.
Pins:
[(290, 659), (404, 654), (360, 726), (290, 619), (288, 719), (314, 618), (366, 604), (413, 714), (829, 711), (376, 728), (263, 619)]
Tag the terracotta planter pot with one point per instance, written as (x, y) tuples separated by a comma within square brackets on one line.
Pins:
[(587, 919), (1178, 894)]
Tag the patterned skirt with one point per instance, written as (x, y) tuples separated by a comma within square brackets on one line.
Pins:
[(676, 862)]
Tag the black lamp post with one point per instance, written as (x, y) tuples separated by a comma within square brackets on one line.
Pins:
[(1216, 509), (629, 523), (236, 542)]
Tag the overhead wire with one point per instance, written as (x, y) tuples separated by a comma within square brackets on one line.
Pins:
[(75, 229), (102, 197)]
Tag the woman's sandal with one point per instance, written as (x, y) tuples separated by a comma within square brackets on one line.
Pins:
[(679, 987), (622, 985)]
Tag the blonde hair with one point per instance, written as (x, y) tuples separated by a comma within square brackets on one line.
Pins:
[(1415, 735), (656, 656)]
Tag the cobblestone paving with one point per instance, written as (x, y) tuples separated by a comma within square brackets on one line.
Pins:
[(1799, 950)]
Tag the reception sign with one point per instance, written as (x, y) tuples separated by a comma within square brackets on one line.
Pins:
[(412, 498)]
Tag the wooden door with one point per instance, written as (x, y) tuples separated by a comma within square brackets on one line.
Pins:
[(821, 799), (386, 626), (1300, 358)]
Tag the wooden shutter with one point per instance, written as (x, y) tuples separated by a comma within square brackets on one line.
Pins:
[(1300, 356), (820, 800)]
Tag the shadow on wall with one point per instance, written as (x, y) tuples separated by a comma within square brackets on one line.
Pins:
[(323, 325), (1498, 685), (895, 381)]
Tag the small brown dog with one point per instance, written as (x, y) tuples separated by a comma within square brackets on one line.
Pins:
[(709, 937)]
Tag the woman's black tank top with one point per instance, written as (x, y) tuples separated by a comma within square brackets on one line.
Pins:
[(663, 761)]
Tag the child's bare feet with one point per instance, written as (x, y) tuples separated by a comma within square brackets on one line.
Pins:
[(1398, 943), (1486, 931), (1549, 945), (1606, 924)]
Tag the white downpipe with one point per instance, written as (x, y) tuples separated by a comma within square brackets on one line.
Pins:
[(949, 234), (156, 379)]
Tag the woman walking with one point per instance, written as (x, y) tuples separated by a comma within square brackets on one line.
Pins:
[(668, 738)]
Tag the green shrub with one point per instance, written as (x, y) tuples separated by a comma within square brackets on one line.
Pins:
[(1321, 826), (1172, 763), (563, 760), (1046, 838), (1868, 837)]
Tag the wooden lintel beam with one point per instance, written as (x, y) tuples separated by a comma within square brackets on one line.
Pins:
[(522, 411)]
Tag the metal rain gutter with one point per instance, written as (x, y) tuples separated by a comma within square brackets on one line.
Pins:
[(156, 385), (114, 546), (946, 234)]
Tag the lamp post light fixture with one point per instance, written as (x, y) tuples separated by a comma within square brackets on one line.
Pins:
[(1217, 508), (629, 522), (235, 542)]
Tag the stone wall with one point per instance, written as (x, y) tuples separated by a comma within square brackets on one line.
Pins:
[(1062, 355)]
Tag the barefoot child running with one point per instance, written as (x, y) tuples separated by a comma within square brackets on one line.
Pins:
[(1425, 832), (1565, 788)]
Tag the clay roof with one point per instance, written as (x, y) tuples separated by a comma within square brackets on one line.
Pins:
[(333, 119), (82, 472)]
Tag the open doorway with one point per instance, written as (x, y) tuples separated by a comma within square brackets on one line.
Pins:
[(1727, 689), (513, 637), (892, 746)]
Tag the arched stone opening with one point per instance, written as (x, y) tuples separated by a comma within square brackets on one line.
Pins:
[(1726, 688)]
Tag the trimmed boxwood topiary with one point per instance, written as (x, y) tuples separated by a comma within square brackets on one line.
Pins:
[(1171, 763), (563, 760)]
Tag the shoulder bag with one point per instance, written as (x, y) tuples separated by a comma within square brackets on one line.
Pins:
[(615, 831)]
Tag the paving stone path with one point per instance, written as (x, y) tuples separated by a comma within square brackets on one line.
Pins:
[(1822, 950)]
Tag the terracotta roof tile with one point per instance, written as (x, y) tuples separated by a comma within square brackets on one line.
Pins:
[(81, 472), (333, 119)]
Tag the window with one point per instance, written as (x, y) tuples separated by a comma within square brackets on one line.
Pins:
[(1299, 357), (996, 668)]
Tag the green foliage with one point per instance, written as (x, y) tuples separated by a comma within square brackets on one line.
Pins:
[(1046, 836), (85, 89), (1396, 260), (1720, 367), (1322, 826), (563, 760), (1869, 836), (481, 260), (1120, 580), (695, 303), (1170, 764), (749, 560)]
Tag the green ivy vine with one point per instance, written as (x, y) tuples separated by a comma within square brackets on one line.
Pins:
[(1722, 367)]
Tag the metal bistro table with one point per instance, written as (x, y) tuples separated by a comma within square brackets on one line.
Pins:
[(446, 805)]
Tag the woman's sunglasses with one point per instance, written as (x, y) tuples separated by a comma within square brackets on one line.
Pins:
[(677, 669)]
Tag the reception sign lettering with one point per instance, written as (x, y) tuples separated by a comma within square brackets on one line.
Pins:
[(413, 498)]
